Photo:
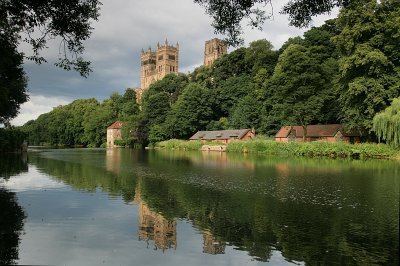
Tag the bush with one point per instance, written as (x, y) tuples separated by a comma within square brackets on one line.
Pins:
[(120, 142), (314, 149), (11, 140)]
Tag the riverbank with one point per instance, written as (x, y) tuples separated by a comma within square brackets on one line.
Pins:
[(308, 149)]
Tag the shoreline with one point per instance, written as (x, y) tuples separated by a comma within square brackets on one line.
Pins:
[(301, 149)]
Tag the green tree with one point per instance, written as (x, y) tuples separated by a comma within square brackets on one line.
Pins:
[(156, 134), (230, 65), (95, 124), (369, 59), (191, 112), (229, 92), (246, 114), (41, 20), (12, 81), (299, 87), (129, 106), (260, 54), (386, 124)]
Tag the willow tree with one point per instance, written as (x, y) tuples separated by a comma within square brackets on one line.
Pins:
[(386, 124)]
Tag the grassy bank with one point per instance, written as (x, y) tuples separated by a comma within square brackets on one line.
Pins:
[(176, 144), (309, 149)]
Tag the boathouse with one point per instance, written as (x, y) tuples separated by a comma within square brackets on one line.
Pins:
[(224, 136), (329, 133)]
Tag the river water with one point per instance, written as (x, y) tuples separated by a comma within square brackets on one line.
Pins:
[(131, 207)]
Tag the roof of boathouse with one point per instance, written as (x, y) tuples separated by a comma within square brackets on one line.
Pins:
[(315, 131), (115, 125), (220, 134)]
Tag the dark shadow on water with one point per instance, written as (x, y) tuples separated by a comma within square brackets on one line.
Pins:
[(11, 214)]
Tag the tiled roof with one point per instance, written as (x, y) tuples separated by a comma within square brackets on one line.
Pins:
[(315, 131), (116, 125), (220, 134)]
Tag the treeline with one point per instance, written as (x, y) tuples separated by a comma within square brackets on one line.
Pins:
[(82, 122), (345, 71)]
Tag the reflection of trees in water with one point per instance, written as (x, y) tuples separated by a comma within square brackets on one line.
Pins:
[(11, 214), (86, 176), (252, 221), (259, 224), (11, 224), (13, 164)]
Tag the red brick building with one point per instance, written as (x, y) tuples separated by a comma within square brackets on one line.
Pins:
[(224, 136), (329, 133)]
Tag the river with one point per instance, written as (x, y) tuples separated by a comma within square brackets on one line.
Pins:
[(132, 207)]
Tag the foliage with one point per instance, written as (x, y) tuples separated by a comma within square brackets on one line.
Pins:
[(176, 144), (156, 134), (228, 15), (191, 112), (300, 86), (40, 21), (369, 59), (12, 81), (82, 122), (386, 124), (314, 149), (11, 140)]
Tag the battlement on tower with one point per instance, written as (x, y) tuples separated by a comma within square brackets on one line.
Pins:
[(157, 64)]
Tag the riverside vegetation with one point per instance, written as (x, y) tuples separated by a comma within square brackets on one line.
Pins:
[(265, 146), (345, 71)]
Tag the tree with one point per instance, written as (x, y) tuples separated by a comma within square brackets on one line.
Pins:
[(369, 62), (12, 81), (191, 112), (227, 15), (36, 22), (386, 124), (260, 54), (247, 113), (299, 87)]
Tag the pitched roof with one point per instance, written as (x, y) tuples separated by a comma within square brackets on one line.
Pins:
[(115, 125), (220, 134), (315, 131)]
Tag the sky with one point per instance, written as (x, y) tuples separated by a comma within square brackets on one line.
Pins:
[(125, 28)]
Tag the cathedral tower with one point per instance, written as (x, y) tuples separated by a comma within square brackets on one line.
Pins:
[(213, 50), (156, 64)]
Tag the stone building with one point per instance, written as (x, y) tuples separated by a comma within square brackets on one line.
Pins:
[(114, 133), (157, 64), (214, 49)]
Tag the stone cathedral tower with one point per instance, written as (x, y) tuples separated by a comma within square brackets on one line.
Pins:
[(156, 64), (214, 49)]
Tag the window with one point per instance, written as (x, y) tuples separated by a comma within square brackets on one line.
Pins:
[(171, 57), (161, 57)]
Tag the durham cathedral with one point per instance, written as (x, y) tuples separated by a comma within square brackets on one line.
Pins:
[(165, 60)]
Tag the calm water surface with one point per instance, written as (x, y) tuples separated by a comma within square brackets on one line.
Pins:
[(129, 207)]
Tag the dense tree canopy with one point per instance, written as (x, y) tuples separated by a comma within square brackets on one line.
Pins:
[(368, 44), (12, 81)]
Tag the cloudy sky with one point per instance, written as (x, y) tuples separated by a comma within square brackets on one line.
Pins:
[(123, 29)]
